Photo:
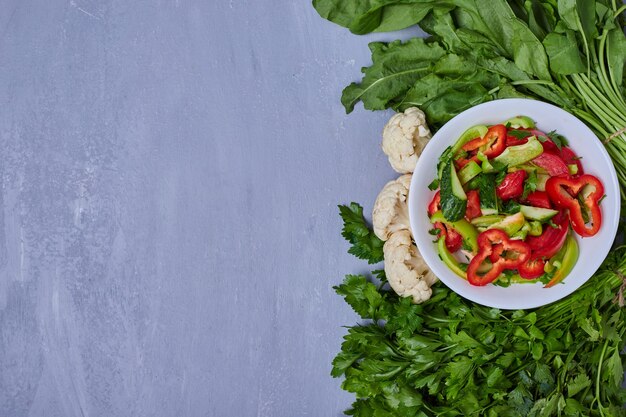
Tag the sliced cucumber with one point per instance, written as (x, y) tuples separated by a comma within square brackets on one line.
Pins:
[(453, 197), (524, 122), (537, 213), (469, 171)]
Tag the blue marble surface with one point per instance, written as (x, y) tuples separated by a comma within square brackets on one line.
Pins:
[(168, 226)]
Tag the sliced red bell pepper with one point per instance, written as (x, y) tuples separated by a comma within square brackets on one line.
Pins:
[(569, 157), (532, 268), (564, 194), (453, 239), (461, 162), (473, 205), (512, 254), (552, 163), (538, 199), (434, 204), (492, 144), (552, 238), (512, 186)]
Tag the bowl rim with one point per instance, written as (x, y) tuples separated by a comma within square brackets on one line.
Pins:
[(495, 111)]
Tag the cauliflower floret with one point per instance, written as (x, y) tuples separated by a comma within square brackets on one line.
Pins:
[(391, 212), (406, 271), (404, 138)]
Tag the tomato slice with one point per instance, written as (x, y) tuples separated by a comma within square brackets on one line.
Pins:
[(461, 162), (539, 199), (570, 157), (454, 240), (473, 205), (513, 141), (532, 268), (550, 147), (512, 186), (555, 166)]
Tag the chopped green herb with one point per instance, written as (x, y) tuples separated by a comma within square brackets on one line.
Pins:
[(520, 134), (559, 140), (530, 184)]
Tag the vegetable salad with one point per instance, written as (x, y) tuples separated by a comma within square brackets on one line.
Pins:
[(505, 198)]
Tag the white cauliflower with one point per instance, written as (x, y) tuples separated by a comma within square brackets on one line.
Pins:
[(391, 212), (404, 138), (406, 271)]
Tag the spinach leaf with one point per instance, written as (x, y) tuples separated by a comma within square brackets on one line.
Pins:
[(396, 67), (563, 53), (616, 52)]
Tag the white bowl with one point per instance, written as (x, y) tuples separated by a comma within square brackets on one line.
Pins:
[(596, 161)]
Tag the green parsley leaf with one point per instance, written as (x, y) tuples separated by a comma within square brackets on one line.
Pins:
[(559, 140), (365, 244), (530, 184), (519, 134), (434, 184)]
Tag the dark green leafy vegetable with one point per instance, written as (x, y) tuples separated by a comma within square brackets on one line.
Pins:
[(520, 134), (510, 207), (559, 140), (567, 52), (530, 184), (487, 194), (452, 357), (453, 198), (365, 244)]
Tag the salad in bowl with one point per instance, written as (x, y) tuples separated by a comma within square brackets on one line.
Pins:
[(507, 196), (514, 203)]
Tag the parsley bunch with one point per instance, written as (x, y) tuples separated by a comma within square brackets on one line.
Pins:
[(452, 357)]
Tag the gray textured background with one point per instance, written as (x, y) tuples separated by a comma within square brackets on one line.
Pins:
[(168, 230)]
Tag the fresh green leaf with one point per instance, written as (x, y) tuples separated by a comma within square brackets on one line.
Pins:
[(396, 67), (530, 184), (563, 53), (365, 244), (362, 295), (559, 140), (520, 134), (579, 383), (615, 368)]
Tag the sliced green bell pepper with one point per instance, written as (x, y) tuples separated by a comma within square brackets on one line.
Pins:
[(467, 231), (566, 258), (449, 259), (519, 154)]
